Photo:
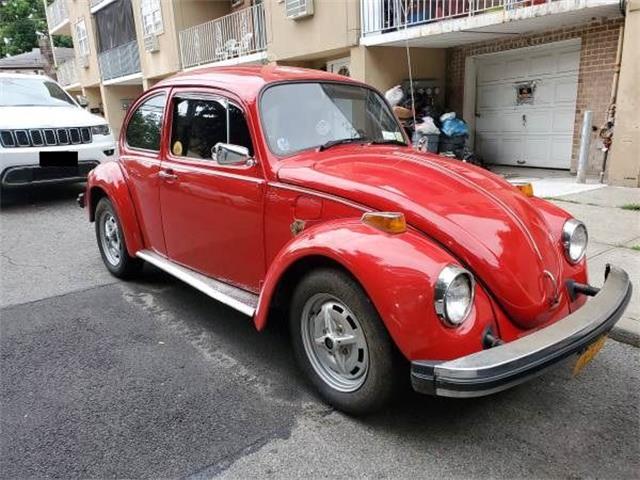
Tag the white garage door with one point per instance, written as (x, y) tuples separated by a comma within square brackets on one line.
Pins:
[(537, 131)]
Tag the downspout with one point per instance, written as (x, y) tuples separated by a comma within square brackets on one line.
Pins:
[(606, 131)]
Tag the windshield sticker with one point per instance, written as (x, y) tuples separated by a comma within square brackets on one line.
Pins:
[(399, 137), (323, 128), (283, 144), (388, 135)]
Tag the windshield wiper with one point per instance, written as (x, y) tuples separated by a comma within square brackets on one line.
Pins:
[(388, 142), (340, 141)]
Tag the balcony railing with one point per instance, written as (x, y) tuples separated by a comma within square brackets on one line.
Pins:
[(57, 14), (382, 16), (235, 35), (119, 61), (67, 73)]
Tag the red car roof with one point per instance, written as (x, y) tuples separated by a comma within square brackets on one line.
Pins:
[(247, 81)]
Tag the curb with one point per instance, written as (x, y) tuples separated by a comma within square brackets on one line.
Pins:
[(627, 331)]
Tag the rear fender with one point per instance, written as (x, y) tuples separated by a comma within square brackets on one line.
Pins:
[(398, 273), (108, 179)]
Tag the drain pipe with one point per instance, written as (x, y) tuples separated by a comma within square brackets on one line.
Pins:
[(585, 139), (610, 120)]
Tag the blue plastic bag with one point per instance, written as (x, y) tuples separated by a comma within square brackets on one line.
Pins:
[(454, 127)]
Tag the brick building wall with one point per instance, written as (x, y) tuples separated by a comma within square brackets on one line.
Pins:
[(599, 43)]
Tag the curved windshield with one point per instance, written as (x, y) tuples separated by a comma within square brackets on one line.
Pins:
[(37, 91), (300, 116)]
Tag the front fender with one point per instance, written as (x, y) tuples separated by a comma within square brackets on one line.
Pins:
[(398, 273), (109, 178)]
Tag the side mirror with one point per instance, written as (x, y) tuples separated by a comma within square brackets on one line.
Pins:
[(82, 101), (228, 154)]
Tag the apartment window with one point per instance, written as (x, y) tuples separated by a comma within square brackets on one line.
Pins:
[(151, 17), (82, 40)]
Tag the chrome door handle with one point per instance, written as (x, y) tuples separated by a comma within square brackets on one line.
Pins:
[(167, 175)]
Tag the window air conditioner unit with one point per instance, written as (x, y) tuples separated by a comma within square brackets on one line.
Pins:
[(296, 9), (151, 43), (83, 61)]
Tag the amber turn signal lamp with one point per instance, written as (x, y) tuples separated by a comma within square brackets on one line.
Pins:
[(390, 222), (525, 187)]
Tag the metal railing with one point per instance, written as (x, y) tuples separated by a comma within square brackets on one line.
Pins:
[(57, 13), (119, 61), (235, 35), (382, 16), (67, 73)]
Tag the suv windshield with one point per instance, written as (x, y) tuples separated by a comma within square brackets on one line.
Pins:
[(300, 116), (37, 91)]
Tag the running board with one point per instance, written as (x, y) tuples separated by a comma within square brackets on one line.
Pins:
[(241, 300)]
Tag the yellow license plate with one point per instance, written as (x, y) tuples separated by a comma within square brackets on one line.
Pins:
[(588, 354)]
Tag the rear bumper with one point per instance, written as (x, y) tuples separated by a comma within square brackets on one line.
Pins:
[(507, 365)]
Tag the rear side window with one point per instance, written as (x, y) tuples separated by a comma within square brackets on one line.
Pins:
[(145, 125), (199, 124)]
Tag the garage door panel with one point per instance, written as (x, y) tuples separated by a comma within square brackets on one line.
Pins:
[(516, 68), (541, 65), (562, 122), (568, 61), (490, 72), (536, 150), (545, 139), (489, 96), (538, 121), (560, 151), (565, 90), (511, 150)]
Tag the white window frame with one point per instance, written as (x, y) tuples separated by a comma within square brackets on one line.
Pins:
[(151, 15), (82, 38)]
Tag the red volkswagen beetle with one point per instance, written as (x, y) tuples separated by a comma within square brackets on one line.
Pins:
[(275, 186)]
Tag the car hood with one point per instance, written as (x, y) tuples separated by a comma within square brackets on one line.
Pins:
[(47, 117), (485, 222)]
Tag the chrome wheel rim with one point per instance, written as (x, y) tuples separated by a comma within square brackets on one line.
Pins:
[(110, 238), (334, 342)]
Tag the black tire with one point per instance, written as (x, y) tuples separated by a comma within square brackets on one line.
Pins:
[(126, 266), (384, 363)]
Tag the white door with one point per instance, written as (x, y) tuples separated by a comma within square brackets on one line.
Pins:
[(512, 129)]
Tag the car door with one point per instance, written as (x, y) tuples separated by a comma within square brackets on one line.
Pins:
[(140, 157), (211, 213)]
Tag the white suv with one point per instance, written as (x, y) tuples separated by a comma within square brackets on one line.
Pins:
[(45, 136)]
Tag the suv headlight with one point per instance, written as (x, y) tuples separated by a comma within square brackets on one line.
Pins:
[(454, 294), (574, 240), (100, 129)]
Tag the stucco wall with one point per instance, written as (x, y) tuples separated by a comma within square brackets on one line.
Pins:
[(112, 97), (89, 76), (624, 159), (334, 26), (384, 67)]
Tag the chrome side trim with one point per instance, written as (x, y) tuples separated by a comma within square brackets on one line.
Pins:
[(234, 297)]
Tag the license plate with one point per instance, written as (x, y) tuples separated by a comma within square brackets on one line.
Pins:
[(59, 159), (588, 354)]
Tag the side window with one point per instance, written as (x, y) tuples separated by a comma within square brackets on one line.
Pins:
[(145, 125), (199, 124)]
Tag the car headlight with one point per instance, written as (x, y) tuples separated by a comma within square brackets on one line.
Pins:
[(100, 129), (454, 294), (574, 240)]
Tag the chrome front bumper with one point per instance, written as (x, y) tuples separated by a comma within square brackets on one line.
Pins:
[(509, 364)]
